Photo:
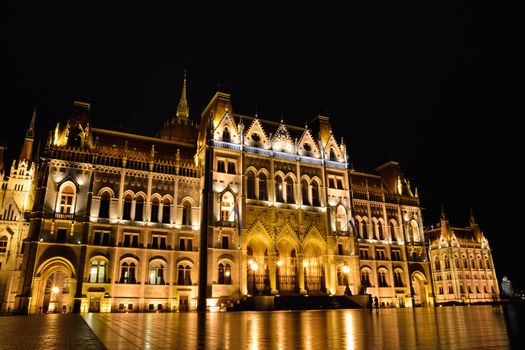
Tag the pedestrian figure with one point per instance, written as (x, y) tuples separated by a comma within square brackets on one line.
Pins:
[(376, 303)]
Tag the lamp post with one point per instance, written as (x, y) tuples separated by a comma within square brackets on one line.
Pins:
[(278, 276), (305, 266), (253, 268), (346, 271)]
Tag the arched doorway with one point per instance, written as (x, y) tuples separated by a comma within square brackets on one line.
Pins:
[(286, 267), (57, 297), (257, 269), (419, 287), (313, 268), (53, 287)]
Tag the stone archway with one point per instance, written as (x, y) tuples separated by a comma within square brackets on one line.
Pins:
[(57, 293), (286, 266), (419, 284), (54, 287), (313, 267), (257, 266)]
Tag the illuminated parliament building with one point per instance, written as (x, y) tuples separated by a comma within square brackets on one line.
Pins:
[(107, 221)]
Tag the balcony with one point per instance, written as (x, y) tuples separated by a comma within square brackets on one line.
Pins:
[(64, 216), (227, 145)]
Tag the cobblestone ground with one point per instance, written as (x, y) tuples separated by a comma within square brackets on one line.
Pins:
[(55, 331)]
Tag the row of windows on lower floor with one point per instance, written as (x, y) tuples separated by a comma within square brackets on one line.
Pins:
[(477, 290), (131, 240), (460, 276), (125, 307), (156, 273), (158, 241)]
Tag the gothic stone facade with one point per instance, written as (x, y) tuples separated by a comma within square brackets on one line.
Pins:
[(116, 220), (463, 270)]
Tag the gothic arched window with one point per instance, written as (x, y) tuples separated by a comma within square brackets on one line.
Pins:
[(226, 135), (186, 213), (126, 211), (250, 185), (156, 273), (105, 200), (166, 210), (279, 189), (290, 198), (155, 210), (315, 194), (67, 199), (304, 192), (97, 272), (263, 195)]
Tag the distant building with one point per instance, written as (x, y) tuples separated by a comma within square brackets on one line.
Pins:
[(16, 200), (462, 266), (116, 220)]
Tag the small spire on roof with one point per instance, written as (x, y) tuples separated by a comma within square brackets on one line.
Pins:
[(182, 108), (472, 217), (31, 130), (443, 215)]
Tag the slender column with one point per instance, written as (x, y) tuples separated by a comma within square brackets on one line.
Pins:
[(244, 272), (272, 264), (300, 274)]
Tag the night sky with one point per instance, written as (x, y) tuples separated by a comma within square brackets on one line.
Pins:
[(435, 86)]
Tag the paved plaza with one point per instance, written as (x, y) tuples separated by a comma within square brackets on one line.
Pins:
[(54, 331), (479, 327)]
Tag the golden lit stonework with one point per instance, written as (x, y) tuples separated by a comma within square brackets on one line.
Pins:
[(110, 221)]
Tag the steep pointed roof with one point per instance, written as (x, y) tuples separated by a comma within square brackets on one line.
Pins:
[(182, 109), (30, 133), (180, 128), (472, 218), (2, 156), (27, 148)]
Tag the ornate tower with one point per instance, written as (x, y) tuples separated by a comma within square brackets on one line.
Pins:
[(180, 128)]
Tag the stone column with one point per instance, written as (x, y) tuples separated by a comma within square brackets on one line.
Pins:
[(133, 207), (160, 212), (272, 265), (243, 270), (300, 273)]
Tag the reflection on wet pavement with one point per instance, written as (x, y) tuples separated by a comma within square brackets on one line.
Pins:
[(422, 328)]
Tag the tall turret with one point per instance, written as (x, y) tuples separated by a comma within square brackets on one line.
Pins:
[(27, 148), (180, 128)]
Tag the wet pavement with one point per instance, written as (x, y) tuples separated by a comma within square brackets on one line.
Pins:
[(54, 331), (476, 327)]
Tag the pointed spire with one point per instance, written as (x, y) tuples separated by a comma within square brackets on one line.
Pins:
[(30, 133), (2, 159), (443, 215), (182, 108), (472, 218), (27, 147), (36, 156)]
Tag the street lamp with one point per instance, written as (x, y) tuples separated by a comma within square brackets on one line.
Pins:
[(305, 265), (253, 267), (278, 277), (346, 271), (54, 290)]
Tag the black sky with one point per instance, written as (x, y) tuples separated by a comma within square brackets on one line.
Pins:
[(436, 86)]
